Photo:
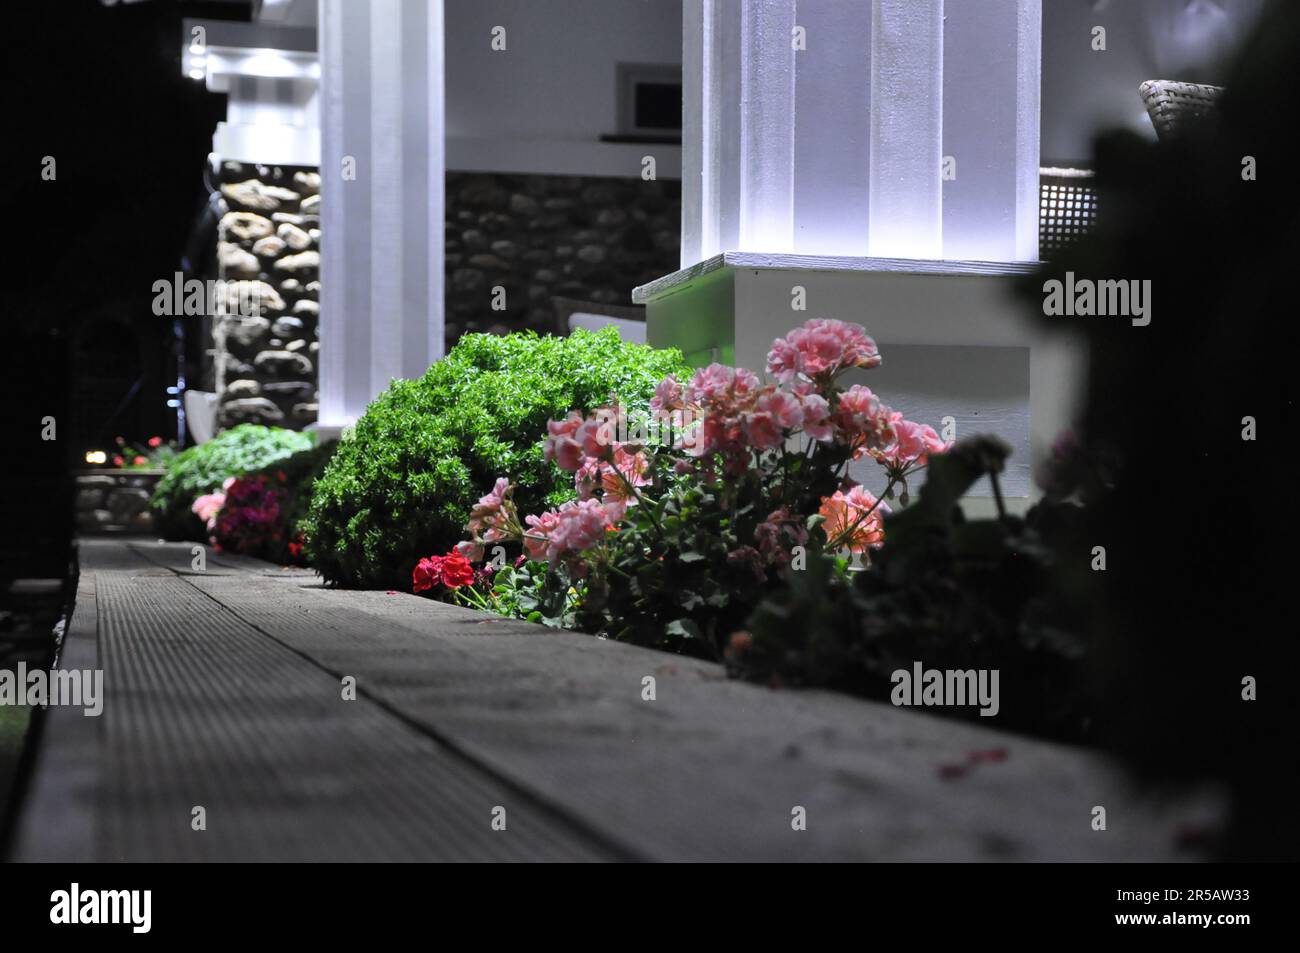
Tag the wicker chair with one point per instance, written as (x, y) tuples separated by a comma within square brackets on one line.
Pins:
[(1173, 107)]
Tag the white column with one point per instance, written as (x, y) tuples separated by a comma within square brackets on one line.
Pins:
[(699, 172), (382, 229), (767, 130), (992, 65), (738, 80), (832, 118), (837, 149), (906, 129)]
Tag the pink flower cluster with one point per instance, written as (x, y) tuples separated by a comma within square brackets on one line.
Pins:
[(729, 418), (619, 478), (738, 414), (912, 444), (571, 441), (853, 520), (821, 350), (207, 506), (493, 519), (576, 526)]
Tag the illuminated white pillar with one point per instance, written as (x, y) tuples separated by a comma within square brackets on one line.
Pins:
[(382, 218), (991, 82), (820, 127), (906, 129), (832, 145), (738, 129)]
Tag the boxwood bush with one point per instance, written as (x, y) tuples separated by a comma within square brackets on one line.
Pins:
[(204, 468), (402, 485)]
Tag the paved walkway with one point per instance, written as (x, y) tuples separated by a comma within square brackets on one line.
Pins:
[(223, 691)]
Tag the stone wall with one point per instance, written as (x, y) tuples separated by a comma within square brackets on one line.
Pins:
[(115, 501), (535, 236), (269, 247), (545, 236)]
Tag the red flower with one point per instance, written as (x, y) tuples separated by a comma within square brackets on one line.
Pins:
[(118, 461), (155, 442), (295, 550), (140, 461), (280, 474), (456, 570), (427, 574)]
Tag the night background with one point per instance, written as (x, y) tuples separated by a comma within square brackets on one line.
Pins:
[(101, 90)]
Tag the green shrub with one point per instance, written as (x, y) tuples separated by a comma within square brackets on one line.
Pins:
[(204, 468), (402, 486)]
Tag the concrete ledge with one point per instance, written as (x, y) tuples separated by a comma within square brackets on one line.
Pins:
[(760, 261)]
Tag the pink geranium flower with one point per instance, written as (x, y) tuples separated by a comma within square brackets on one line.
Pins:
[(207, 506), (560, 443), (629, 470), (912, 444), (817, 417), (864, 422), (538, 535), (821, 349), (775, 414), (853, 519), (488, 513), (668, 395), (581, 525)]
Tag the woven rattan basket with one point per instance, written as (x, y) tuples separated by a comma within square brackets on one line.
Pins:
[(1174, 107)]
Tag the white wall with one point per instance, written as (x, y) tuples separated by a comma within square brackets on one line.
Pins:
[(542, 104), (554, 86), (1085, 91)]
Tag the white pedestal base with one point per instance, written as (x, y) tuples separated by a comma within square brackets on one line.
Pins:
[(954, 342)]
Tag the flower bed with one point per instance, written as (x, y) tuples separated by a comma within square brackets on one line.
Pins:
[(723, 524), (403, 484), (204, 470), (260, 514), (687, 514)]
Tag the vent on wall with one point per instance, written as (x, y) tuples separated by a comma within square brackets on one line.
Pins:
[(649, 103)]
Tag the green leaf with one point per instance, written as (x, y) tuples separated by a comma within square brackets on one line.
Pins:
[(682, 628), (689, 600)]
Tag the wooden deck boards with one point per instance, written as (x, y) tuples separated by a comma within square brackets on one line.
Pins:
[(223, 689)]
